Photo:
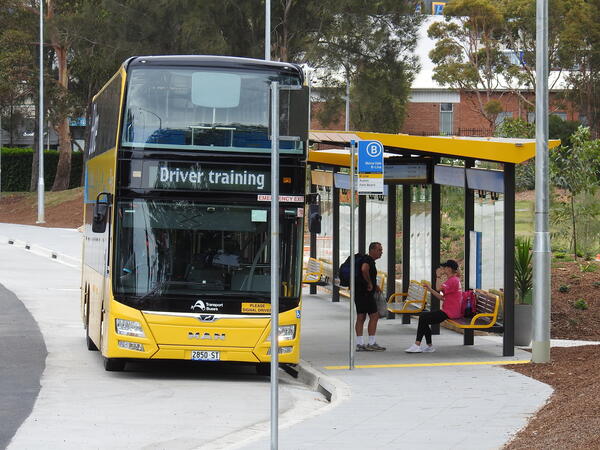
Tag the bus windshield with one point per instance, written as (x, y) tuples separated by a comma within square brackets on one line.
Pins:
[(205, 109), (180, 248)]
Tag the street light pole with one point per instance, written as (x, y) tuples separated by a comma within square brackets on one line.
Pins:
[(40, 218), (267, 30), (540, 348)]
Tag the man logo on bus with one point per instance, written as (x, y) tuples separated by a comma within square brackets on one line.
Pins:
[(200, 305)]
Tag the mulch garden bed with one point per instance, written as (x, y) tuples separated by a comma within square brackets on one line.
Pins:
[(571, 418)]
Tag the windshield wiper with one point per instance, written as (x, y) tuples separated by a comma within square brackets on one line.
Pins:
[(154, 290)]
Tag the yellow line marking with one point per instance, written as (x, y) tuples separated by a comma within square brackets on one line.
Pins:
[(466, 363)]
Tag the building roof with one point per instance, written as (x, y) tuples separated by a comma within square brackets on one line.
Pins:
[(501, 150)]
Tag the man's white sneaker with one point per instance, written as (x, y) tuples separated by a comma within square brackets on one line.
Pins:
[(414, 349), (428, 349)]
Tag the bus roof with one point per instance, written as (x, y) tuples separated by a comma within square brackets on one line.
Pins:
[(229, 62)]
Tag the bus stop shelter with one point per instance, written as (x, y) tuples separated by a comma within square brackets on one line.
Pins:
[(482, 167)]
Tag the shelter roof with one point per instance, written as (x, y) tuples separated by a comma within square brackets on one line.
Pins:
[(501, 150)]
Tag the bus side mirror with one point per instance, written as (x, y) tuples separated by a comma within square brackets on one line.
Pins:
[(314, 213), (101, 212)]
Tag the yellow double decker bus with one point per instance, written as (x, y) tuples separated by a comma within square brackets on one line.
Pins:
[(176, 254)]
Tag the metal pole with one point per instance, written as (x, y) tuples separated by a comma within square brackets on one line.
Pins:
[(0, 152), (352, 262), (267, 30), (274, 262), (347, 123), (41, 188), (541, 248)]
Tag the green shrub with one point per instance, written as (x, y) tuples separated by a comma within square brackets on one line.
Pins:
[(560, 255), (587, 267), (564, 288), (16, 169), (523, 268), (580, 304)]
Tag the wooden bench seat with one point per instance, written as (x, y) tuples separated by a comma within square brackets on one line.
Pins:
[(486, 315), (412, 302), (315, 273), (485, 318)]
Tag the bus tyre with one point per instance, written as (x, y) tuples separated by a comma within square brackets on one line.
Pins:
[(263, 369), (90, 344), (114, 364)]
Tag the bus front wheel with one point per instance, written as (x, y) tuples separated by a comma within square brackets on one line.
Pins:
[(114, 364)]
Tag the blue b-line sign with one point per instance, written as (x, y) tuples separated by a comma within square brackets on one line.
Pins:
[(370, 167)]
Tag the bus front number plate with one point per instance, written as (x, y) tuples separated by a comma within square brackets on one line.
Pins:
[(204, 355)]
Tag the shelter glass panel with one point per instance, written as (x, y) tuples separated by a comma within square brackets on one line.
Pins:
[(489, 220), (376, 230), (325, 239), (420, 233)]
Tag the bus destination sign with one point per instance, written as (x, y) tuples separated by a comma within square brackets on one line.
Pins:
[(198, 177)]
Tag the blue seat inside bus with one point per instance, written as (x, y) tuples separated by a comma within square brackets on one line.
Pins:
[(207, 137)]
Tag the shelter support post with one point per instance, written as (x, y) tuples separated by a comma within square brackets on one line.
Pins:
[(335, 297), (362, 224), (469, 226), (435, 246), (313, 245), (468, 338), (391, 243), (509, 260), (406, 197)]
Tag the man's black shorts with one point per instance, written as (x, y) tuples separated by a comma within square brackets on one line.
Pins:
[(365, 301)]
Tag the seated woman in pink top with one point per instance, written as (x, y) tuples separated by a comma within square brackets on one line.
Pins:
[(451, 296)]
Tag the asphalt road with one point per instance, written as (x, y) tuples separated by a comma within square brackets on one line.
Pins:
[(150, 405), (23, 356)]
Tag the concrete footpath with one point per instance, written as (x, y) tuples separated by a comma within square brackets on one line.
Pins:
[(457, 397)]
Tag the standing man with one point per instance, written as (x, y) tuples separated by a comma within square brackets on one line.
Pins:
[(364, 298)]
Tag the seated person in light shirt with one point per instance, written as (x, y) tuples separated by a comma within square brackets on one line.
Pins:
[(451, 296)]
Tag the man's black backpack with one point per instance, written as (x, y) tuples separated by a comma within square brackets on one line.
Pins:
[(344, 272)]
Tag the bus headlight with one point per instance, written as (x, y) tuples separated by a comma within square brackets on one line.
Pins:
[(129, 328), (286, 333)]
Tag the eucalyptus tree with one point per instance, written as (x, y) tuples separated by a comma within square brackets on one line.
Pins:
[(468, 54), (369, 45), (584, 82)]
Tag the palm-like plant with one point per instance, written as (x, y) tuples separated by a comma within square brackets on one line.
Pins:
[(523, 269)]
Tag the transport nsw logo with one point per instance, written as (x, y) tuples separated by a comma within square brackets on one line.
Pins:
[(198, 306)]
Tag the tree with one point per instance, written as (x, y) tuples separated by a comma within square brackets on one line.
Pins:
[(468, 53), (585, 81), (519, 37), (369, 46), (576, 170)]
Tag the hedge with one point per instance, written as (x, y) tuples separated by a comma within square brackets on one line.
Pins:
[(16, 169)]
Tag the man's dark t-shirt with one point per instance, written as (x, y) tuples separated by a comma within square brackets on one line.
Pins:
[(365, 302)]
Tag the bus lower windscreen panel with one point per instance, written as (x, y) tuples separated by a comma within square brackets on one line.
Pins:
[(184, 248), (206, 109)]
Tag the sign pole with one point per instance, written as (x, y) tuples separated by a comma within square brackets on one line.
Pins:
[(274, 262), (352, 262)]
